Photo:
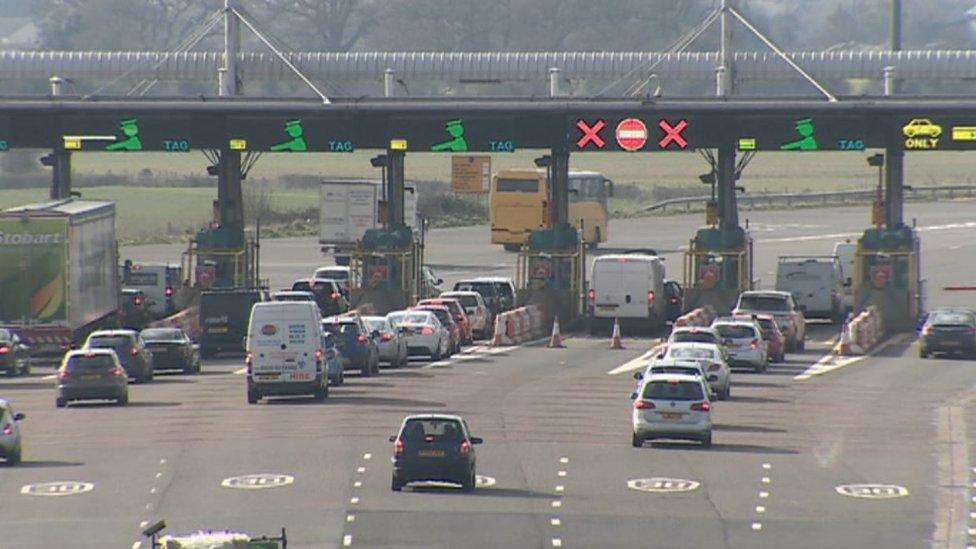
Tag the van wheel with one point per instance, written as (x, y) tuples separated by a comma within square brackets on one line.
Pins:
[(252, 396), (367, 369), (27, 367), (636, 441), (706, 440), (60, 402), (123, 399), (801, 345), (396, 485), (14, 458), (321, 392), (341, 378), (467, 484), (436, 355)]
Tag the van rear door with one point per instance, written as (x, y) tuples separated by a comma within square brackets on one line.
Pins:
[(283, 339), (621, 285)]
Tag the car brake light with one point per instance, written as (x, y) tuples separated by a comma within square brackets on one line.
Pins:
[(754, 344), (465, 448), (387, 337), (4, 350), (701, 406), (117, 371), (643, 405), (8, 429), (714, 367), (137, 301), (361, 338), (134, 351), (398, 448), (169, 291), (650, 296), (427, 331), (318, 354), (927, 330), (62, 374), (592, 295), (673, 300), (334, 296)]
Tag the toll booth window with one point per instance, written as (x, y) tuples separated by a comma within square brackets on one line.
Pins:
[(517, 186), (587, 189)]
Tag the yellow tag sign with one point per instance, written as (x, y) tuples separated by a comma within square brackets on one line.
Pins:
[(398, 144), (747, 143), (238, 144), (72, 144), (964, 133)]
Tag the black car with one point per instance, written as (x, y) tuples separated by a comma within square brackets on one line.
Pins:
[(14, 354), (950, 331), (434, 447), (171, 349), (130, 349), (224, 315), (134, 312), (328, 295), (675, 296)]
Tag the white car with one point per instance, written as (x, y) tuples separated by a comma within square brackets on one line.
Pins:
[(392, 346), (10, 448), (672, 406), (667, 366), (744, 343), (693, 334), (425, 334), (478, 313), (341, 275), (712, 359)]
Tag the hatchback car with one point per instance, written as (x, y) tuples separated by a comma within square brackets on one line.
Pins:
[(355, 342), (171, 349), (693, 334), (478, 313), (91, 374), (498, 291), (424, 333), (10, 445), (669, 366), (434, 447), (672, 406), (950, 331), (775, 340), (445, 318), (712, 359), (14, 354), (130, 349), (675, 297), (392, 347), (744, 343), (457, 313)]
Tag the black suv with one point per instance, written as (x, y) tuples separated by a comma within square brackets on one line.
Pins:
[(224, 315), (434, 447)]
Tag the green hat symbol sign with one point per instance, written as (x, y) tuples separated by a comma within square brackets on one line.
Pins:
[(131, 142), (457, 143), (807, 141), (297, 142)]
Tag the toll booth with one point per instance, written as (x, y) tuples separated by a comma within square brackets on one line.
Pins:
[(222, 258), (887, 275), (385, 270), (718, 266), (550, 271)]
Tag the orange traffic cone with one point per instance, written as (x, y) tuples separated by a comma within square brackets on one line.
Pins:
[(615, 342), (556, 339)]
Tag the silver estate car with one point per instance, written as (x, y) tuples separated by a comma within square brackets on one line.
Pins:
[(10, 447), (672, 406)]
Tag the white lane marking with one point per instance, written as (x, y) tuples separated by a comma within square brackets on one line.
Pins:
[(484, 481), (162, 461), (564, 460), (49, 377), (561, 473), (766, 480), (258, 481), (756, 526), (354, 500), (136, 545), (357, 484), (240, 372), (663, 484), (763, 495), (556, 542), (58, 488), (831, 362), (556, 504), (143, 524), (367, 457), (767, 466), (152, 490), (560, 488), (835, 236), (760, 509), (360, 470), (872, 491), (158, 475), (350, 518), (637, 363), (347, 540), (555, 521)]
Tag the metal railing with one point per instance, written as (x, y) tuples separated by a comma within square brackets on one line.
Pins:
[(832, 197)]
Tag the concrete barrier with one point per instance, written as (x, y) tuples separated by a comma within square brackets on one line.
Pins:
[(861, 333), (702, 316), (187, 320), (519, 325)]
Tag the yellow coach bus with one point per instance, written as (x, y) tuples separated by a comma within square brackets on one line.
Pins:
[(520, 202)]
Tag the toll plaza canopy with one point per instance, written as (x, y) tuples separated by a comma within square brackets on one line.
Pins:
[(492, 125)]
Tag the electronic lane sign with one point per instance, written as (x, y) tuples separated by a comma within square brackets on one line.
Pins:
[(928, 133), (643, 133), (808, 133), (157, 133)]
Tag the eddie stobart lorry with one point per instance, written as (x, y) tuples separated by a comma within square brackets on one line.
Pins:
[(58, 272)]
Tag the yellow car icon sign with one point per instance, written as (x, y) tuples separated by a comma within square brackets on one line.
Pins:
[(922, 127)]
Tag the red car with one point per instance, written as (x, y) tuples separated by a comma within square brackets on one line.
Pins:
[(457, 313), (444, 315), (775, 340)]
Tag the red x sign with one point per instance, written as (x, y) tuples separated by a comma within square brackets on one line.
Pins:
[(672, 133), (590, 133)]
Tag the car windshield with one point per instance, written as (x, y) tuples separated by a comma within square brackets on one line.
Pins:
[(483, 288), (694, 337), (420, 430), (442, 315), (334, 274), (693, 353), (673, 390), (417, 318), (93, 362), (162, 335), (952, 319), (377, 324), (340, 328), (766, 324), (763, 303), (503, 289), (5, 335), (110, 342), (396, 318), (732, 331), (687, 370), (466, 300)]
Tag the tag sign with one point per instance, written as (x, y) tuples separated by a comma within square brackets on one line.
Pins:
[(59, 488), (258, 481), (872, 491), (663, 484), (470, 174)]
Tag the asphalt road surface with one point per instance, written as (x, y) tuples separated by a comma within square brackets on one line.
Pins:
[(557, 468)]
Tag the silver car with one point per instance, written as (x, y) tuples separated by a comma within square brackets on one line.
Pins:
[(713, 362), (672, 406), (392, 347), (744, 343), (10, 447), (424, 334)]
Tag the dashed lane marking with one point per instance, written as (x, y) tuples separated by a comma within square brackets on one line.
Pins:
[(50, 377), (240, 372), (347, 540), (831, 362), (555, 521), (637, 363)]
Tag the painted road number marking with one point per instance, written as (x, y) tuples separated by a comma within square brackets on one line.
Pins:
[(483, 481), (258, 481), (59, 488), (872, 491), (663, 484)]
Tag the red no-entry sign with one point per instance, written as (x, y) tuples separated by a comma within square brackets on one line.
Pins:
[(631, 134)]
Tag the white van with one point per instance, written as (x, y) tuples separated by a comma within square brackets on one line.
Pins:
[(816, 283), (284, 351), (629, 287), (844, 252), (157, 281)]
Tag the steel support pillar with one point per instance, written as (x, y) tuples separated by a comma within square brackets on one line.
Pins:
[(60, 174), (230, 195), (728, 208), (394, 187), (894, 176), (559, 181)]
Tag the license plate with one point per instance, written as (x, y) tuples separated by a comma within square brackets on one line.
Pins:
[(268, 376), (671, 415), (431, 453), (217, 330), (950, 343), (606, 306), (90, 376)]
